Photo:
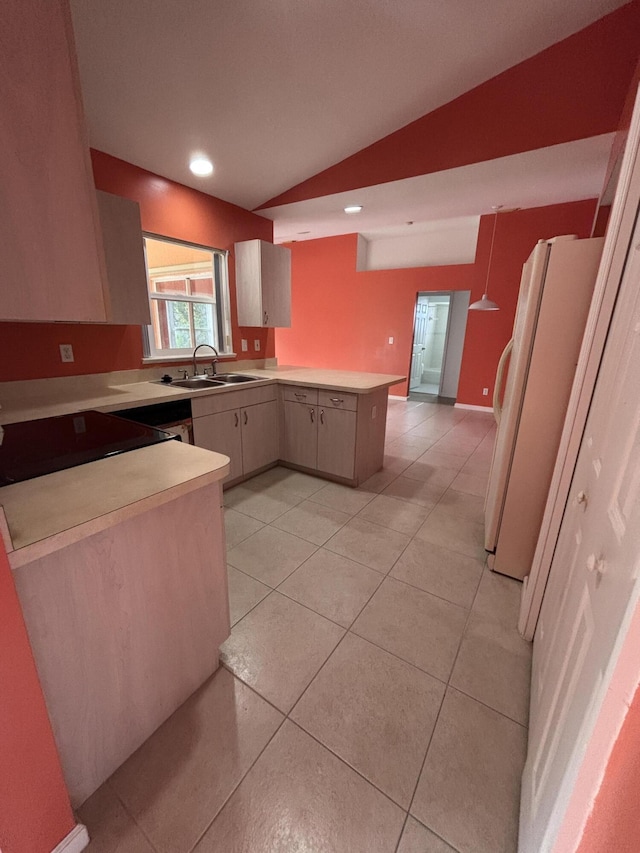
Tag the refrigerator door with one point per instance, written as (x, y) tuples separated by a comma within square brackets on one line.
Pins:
[(531, 285), (497, 389)]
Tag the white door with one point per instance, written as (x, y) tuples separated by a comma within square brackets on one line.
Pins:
[(594, 581), (419, 336)]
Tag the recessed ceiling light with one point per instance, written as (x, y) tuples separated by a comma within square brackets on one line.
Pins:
[(353, 208), (201, 167)]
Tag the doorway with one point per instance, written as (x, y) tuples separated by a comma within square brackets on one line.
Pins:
[(440, 322)]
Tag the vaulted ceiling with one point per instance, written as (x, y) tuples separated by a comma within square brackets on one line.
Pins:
[(276, 91)]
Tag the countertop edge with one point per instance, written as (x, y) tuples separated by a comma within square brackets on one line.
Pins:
[(77, 520)]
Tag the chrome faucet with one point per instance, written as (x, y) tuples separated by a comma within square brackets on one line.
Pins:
[(213, 363)]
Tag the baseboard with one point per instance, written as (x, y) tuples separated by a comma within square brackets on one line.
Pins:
[(75, 841), (396, 397), (474, 408)]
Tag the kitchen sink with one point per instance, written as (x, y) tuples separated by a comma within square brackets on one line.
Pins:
[(233, 378), (197, 382)]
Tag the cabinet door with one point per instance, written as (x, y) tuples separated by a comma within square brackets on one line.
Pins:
[(124, 256), (337, 442), (276, 285), (221, 432), (300, 440), (50, 244), (259, 435), (263, 284)]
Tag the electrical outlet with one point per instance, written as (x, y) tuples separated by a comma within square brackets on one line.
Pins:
[(256, 345), (244, 344), (485, 392), (66, 352), (390, 340)]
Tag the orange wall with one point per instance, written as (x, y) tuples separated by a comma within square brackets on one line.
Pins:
[(30, 351), (614, 823), (35, 814), (343, 319), (572, 90)]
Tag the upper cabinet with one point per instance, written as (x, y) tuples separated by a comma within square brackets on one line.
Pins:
[(263, 284), (128, 300), (53, 265)]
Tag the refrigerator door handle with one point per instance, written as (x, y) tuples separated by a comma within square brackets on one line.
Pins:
[(497, 402)]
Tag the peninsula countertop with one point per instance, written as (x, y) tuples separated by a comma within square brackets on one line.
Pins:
[(48, 398), (48, 513)]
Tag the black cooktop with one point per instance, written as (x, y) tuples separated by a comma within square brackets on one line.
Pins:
[(33, 448)]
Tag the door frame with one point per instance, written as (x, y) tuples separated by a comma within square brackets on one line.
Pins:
[(430, 293)]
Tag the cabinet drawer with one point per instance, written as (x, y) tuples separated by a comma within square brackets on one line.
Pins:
[(223, 401), (338, 400), (301, 394)]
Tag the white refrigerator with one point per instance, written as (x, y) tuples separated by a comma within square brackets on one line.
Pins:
[(540, 360)]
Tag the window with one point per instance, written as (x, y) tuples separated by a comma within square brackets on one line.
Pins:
[(189, 298)]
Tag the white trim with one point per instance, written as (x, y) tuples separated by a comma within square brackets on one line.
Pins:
[(158, 359), (473, 408), (396, 397), (75, 841)]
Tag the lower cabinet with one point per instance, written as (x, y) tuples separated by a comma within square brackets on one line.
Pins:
[(248, 435), (337, 434), (321, 439), (259, 430), (300, 435), (337, 442), (221, 432)]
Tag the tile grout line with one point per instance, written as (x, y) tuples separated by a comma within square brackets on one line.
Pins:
[(348, 631)]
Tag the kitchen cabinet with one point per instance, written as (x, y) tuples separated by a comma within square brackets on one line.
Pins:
[(300, 435), (319, 430), (242, 424), (53, 262), (336, 442), (221, 432), (121, 229), (263, 284)]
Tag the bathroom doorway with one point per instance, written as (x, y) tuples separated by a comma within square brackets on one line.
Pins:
[(439, 328)]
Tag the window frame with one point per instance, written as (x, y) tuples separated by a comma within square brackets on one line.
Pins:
[(221, 305)]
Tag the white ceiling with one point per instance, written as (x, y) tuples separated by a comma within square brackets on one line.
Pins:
[(275, 91), (570, 171)]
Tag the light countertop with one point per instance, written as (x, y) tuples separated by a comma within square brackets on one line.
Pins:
[(50, 512), (51, 399)]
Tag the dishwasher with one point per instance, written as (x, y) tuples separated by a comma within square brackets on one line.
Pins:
[(173, 417)]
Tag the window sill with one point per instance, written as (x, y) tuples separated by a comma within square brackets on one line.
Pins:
[(160, 359)]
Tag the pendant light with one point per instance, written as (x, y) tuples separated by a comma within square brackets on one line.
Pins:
[(486, 304)]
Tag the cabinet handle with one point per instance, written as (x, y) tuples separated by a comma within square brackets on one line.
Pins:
[(336, 399), (266, 319), (321, 416), (237, 421), (298, 394), (312, 414), (246, 416)]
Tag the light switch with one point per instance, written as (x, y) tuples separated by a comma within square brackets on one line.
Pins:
[(256, 345), (245, 345)]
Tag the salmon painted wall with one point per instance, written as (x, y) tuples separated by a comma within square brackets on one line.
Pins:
[(30, 351), (343, 319), (35, 814), (614, 824), (572, 90)]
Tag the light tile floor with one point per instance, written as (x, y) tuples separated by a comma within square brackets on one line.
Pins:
[(374, 692)]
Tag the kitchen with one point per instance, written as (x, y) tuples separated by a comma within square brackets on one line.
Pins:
[(207, 221)]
